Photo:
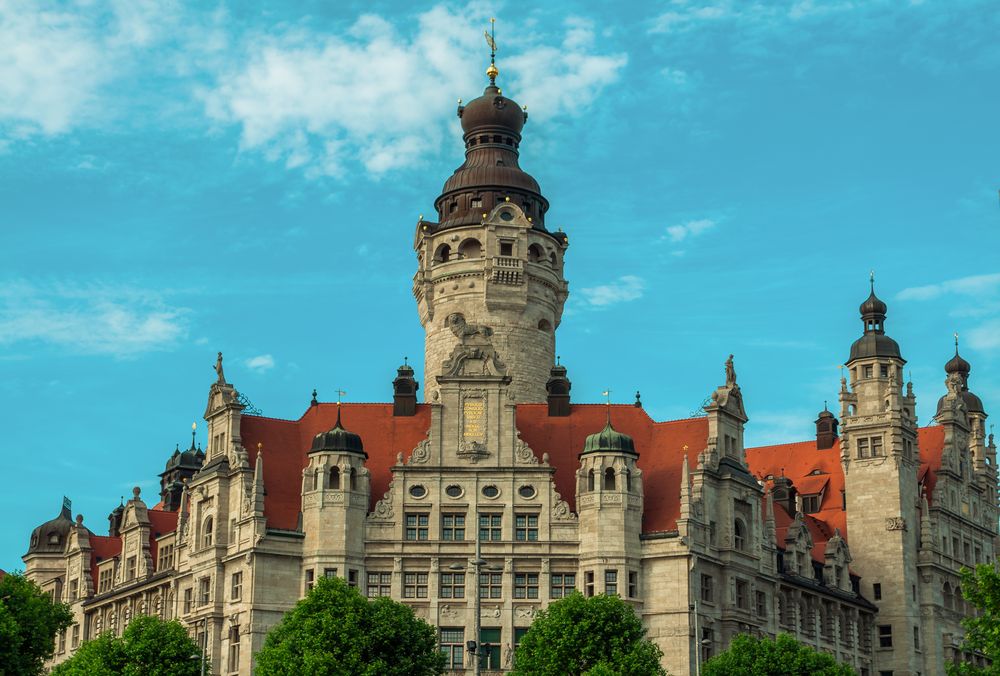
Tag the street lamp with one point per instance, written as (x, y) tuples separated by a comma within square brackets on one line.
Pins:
[(204, 645), (476, 564)]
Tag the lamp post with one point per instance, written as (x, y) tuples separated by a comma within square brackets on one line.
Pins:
[(476, 564), (204, 645)]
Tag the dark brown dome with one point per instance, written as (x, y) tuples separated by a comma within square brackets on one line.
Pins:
[(494, 112), (873, 306), (957, 365)]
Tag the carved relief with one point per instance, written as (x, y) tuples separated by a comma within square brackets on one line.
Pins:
[(523, 453), (421, 453), (383, 508), (895, 523), (525, 612)]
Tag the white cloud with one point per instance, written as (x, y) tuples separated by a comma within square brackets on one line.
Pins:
[(381, 98), (89, 319), (984, 337), (626, 288), (260, 363), (678, 233), (973, 285)]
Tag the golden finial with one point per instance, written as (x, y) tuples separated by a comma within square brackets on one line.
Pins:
[(492, 71), (507, 198)]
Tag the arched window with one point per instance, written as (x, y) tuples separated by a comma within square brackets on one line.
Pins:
[(544, 325), (590, 480), (739, 535), (470, 248), (443, 254), (609, 479), (628, 480), (352, 478), (553, 260), (334, 478), (948, 598), (207, 532), (535, 254)]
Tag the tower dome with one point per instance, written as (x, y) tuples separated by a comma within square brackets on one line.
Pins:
[(874, 342), (960, 366), (50, 537), (338, 439), (609, 440)]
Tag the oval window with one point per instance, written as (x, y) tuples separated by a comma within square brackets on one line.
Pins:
[(491, 491), (506, 216), (418, 491), (526, 491), (454, 491)]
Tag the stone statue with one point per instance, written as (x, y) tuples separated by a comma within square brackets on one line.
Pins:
[(218, 370), (730, 372), (458, 326)]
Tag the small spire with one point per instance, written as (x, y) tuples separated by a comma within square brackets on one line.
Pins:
[(825, 408), (558, 360), (314, 401), (406, 361), (638, 399), (607, 393), (956, 343), (492, 71), (194, 430), (871, 280)]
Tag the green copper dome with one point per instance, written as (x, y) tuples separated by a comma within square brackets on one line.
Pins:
[(609, 440)]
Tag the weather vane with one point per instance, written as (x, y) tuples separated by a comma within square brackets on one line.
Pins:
[(340, 393), (492, 71)]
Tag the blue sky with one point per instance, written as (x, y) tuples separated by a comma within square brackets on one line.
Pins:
[(180, 178)]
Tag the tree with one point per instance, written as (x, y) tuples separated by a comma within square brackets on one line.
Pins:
[(600, 635), (149, 646), (784, 656), (29, 622), (981, 588), (335, 630)]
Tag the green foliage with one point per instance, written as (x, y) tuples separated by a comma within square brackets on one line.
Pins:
[(29, 622), (148, 647), (335, 630), (598, 636), (784, 656), (981, 588)]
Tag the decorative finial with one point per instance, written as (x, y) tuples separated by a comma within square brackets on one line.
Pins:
[(340, 393), (871, 279), (956, 342), (420, 218), (260, 447), (194, 430), (406, 361), (492, 71), (825, 408), (314, 401), (638, 399), (607, 393), (558, 360)]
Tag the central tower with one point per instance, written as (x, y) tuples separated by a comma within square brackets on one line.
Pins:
[(488, 265)]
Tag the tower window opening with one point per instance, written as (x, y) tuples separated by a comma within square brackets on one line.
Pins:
[(453, 207), (484, 139), (470, 248), (497, 138), (628, 480), (508, 141), (609, 479), (552, 259), (884, 370), (352, 479), (506, 248), (590, 480), (544, 325), (443, 254), (739, 535), (334, 478), (535, 253), (869, 371), (476, 202)]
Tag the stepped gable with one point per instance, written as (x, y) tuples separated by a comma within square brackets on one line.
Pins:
[(798, 461), (660, 446), (286, 443)]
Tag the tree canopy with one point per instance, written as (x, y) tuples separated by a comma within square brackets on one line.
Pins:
[(335, 630), (149, 646), (29, 622), (600, 635), (783, 656), (981, 588)]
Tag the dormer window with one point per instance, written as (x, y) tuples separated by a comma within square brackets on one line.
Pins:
[(811, 503), (207, 532)]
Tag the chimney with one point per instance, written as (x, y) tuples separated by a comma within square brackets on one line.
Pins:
[(558, 387), (826, 430), (404, 391)]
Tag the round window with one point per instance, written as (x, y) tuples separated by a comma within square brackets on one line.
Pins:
[(454, 491), (526, 491), (506, 216), (418, 491), (491, 491)]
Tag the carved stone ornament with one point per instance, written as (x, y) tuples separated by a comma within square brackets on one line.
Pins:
[(895, 523), (490, 612), (561, 511), (383, 508), (448, 612), (474, 354), (523, 453), (473, 451), (421, 453), (525, 612)]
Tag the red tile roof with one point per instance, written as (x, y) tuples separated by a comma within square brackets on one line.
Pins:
[(160, 523), (103, 548)]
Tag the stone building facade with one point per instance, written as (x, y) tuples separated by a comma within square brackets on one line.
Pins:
[(851, 541)]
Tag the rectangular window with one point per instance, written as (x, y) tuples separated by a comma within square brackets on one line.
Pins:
[(310, 579), (711, 533), (130, 568), (611, 582), (742, 594), (707, 589), (204, 591), (453, 526), (489, 648), (490, 585), (526, 527), (588, 581), (760, 604), (877, 591), (416, 526), (236, 586), (810, 504), (869, 372), (707, 636), (864, 449), (166, 557), (452, 586), (379, 584), (490, 526), (916, 638), (71, 591), (352, 577), (415, 585), (526, 585), (329, 572), (453, 647), (876, 446), (476, 202), (506, 248), (633, 584), (884, 370), (62, 641), (562, 584), (76, 637), (188, 599), (885, 636), (234, 649)]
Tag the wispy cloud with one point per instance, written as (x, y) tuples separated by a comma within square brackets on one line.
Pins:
[(377, 97), (680, 232), (89, 319), (625, 288), (261, 363), (973, 285), (985, 336)]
